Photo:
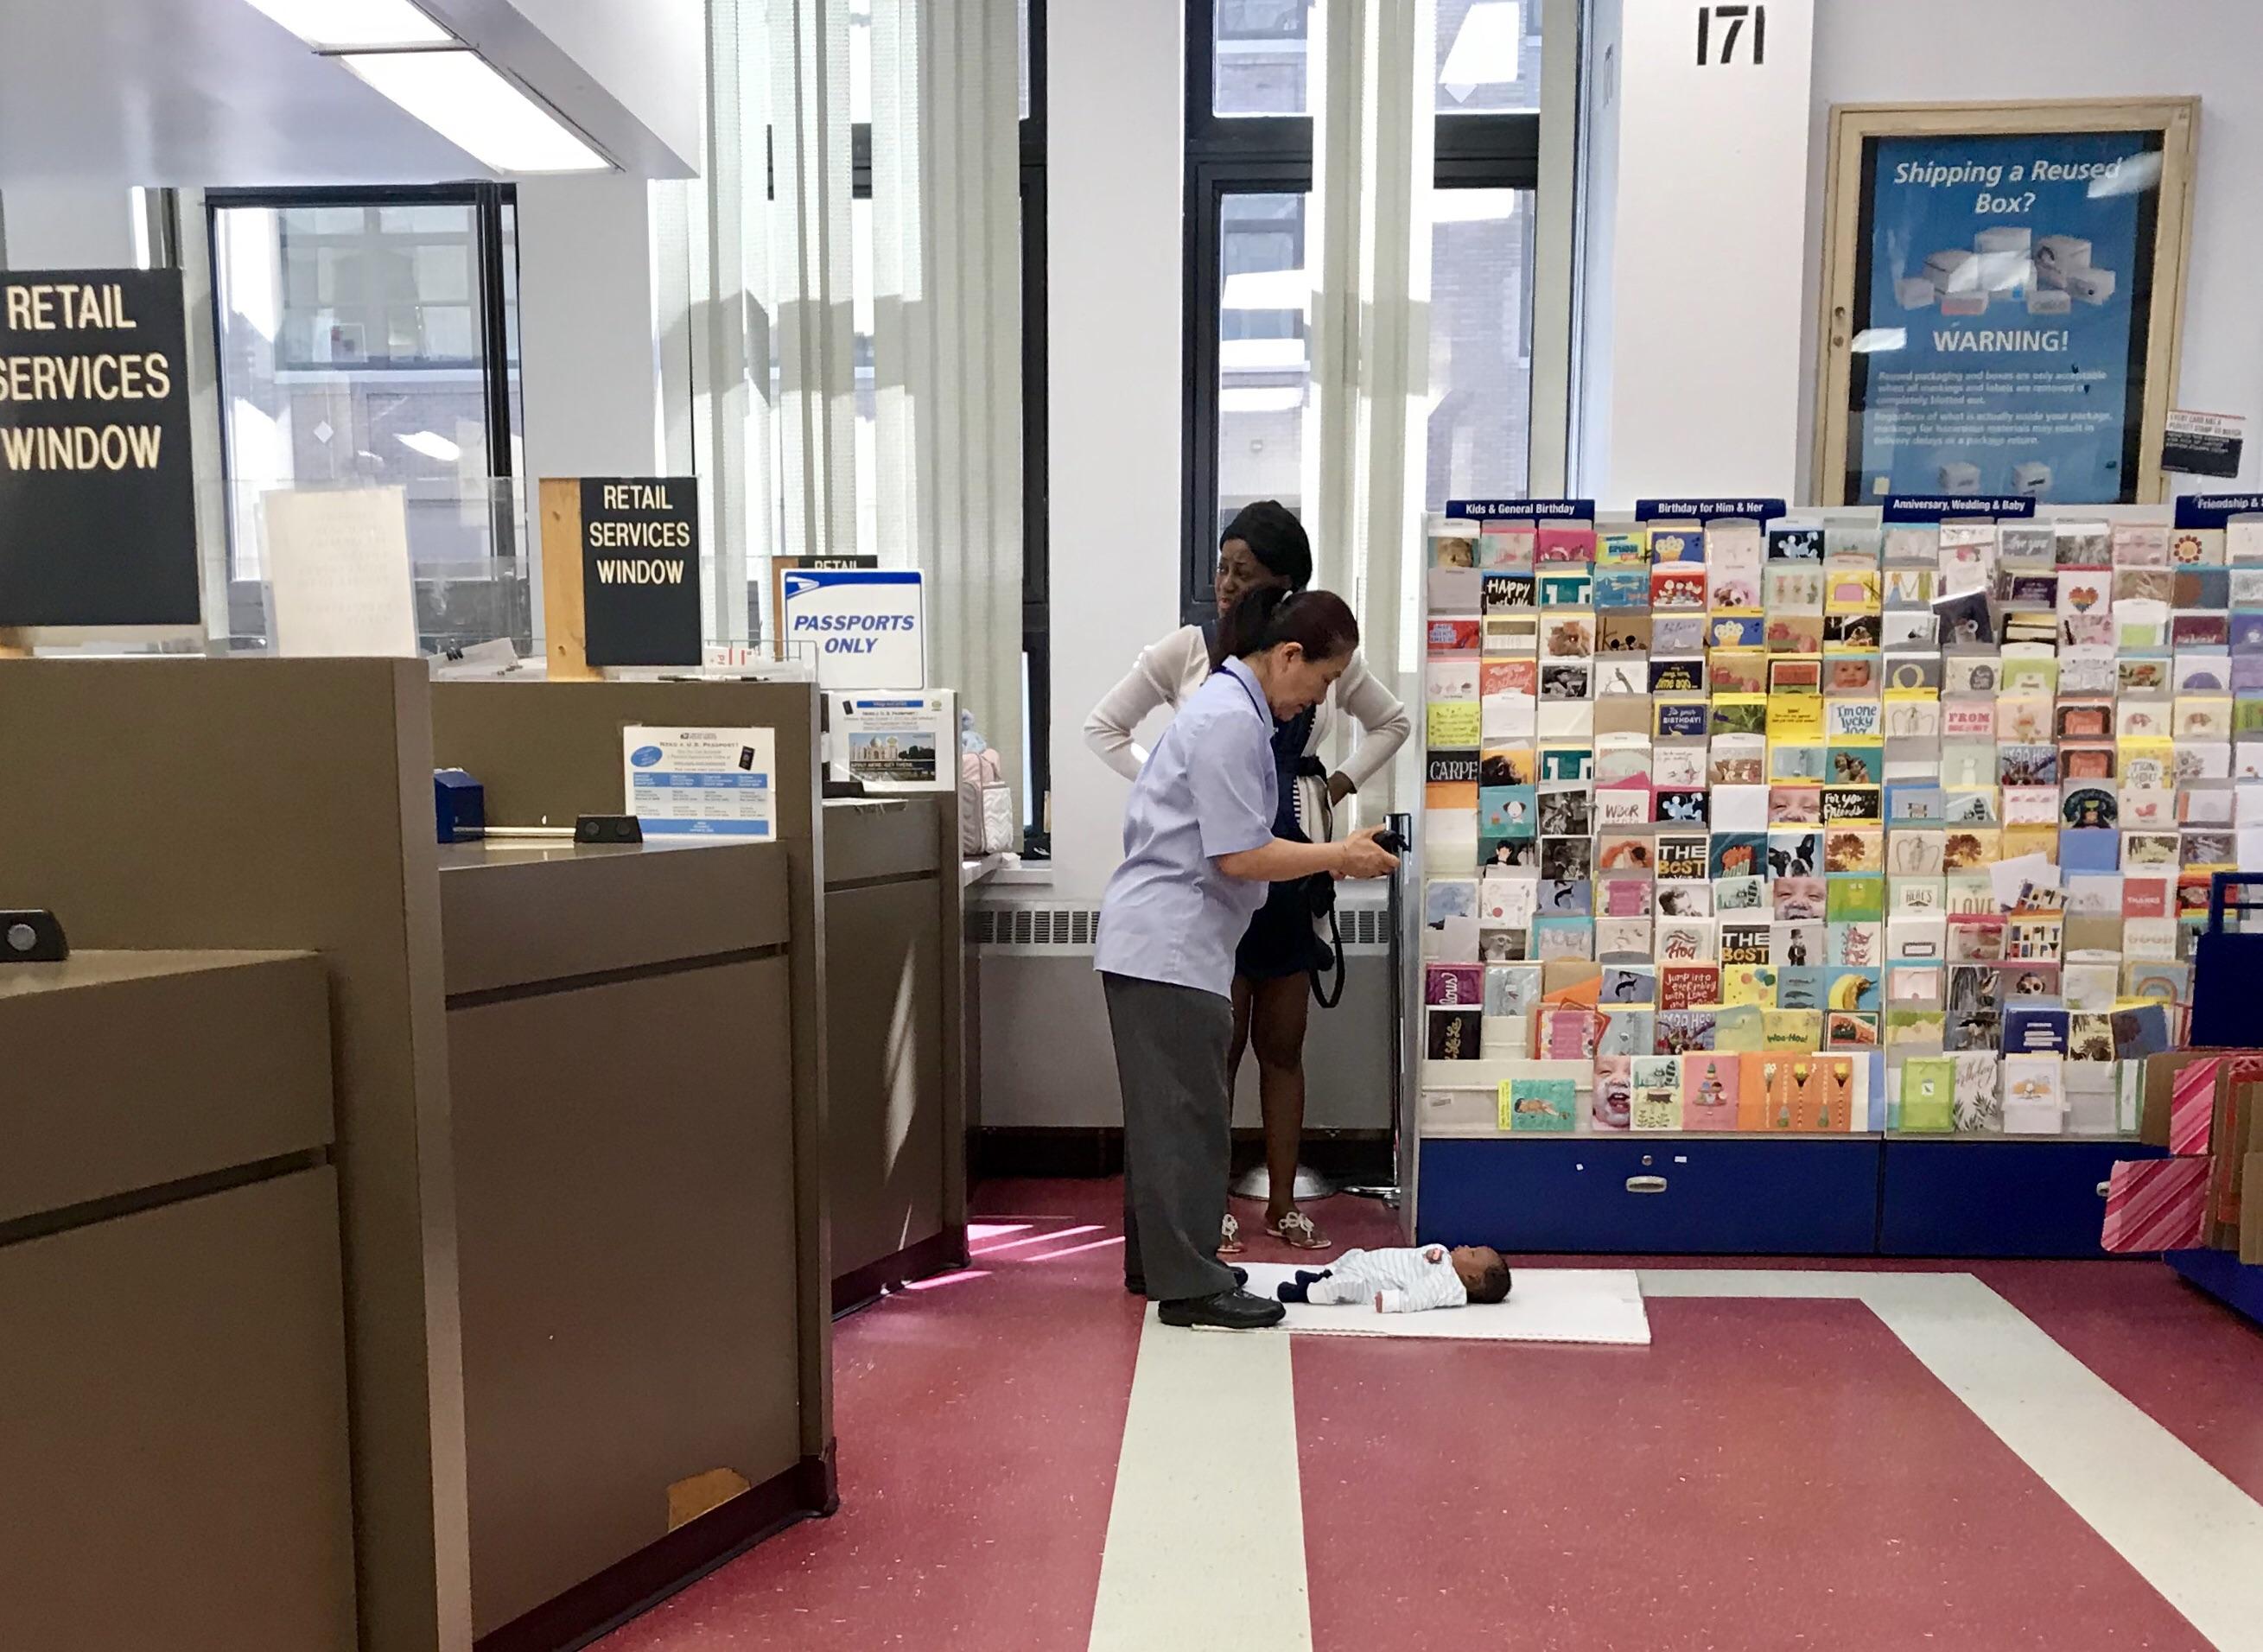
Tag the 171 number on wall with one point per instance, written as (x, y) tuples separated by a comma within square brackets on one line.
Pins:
[(1732, 20)]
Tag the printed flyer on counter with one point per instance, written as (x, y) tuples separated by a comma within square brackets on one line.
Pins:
[(700, 782), (2002, 296), (895, 741)]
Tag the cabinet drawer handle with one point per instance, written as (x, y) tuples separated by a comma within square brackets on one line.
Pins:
[(2102, 1186), (1646, 1184)]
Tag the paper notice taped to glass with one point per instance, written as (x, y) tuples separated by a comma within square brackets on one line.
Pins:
[(700, 782)]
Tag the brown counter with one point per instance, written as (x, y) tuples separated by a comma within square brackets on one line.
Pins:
[(895, 1133), (173, 1430), (620, 1056)]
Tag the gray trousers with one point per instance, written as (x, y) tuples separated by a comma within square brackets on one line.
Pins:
[(1171, 1045)]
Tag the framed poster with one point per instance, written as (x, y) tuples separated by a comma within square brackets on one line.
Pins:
[(2002, 290)]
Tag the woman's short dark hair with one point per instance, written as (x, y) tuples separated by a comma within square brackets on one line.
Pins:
[(1276, 538), (1319, 622)]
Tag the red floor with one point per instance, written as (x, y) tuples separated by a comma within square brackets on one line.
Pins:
[(1767, 1473)]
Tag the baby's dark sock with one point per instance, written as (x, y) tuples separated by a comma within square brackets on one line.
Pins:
[(1299, 1291), (1305, 1275)]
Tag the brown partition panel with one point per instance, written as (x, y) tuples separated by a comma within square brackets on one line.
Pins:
[(518, 910), (288, 802), (172, 1430), (885, 1108), (548, 752), (628, 1230)]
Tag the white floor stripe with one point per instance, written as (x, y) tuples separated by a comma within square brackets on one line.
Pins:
[(1209, 1447), (1206, 1535), (2188, 1529)]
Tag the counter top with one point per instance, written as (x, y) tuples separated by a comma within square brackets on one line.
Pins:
[(109, 968)]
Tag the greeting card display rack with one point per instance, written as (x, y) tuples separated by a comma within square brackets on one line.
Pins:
[(1816, 881)]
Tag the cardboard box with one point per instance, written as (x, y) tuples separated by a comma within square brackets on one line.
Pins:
[(2238, 1100), (2251, 1214)]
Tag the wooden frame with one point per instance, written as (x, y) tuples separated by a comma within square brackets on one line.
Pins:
[(2176, 120)]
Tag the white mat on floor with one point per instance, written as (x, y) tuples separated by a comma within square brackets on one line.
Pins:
[(1546, 1304)]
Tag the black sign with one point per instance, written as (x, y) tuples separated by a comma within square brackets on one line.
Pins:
[(98, 501), (1909, 508), (1707, 510), (2202, 444), (1521, 509), (2213, 510), (640, 571)]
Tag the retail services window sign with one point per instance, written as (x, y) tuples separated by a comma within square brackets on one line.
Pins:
[(97, 501), (2001, 293)]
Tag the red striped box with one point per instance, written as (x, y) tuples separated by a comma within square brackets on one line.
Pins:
[(2192, 1107), (2156, 1204)]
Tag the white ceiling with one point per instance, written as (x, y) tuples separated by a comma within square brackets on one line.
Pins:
[(210, 93), (193, 93)]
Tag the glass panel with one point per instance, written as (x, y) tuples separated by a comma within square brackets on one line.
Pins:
[(1022, 21), (860, 63), (1480, 345), (1265, 370), (1259, 63), (352, 351), (1488, 56)]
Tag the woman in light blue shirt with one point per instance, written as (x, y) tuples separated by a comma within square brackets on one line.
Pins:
[(1199, 851)]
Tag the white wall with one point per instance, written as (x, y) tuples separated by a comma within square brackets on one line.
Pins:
[(1954, 51), (1701, 232), (65, 227), (585, 325), (1114, 160), (633, 74), (650, 54)]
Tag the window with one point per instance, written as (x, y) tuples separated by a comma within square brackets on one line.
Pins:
[(1036, 622), (1248, 293), (1265, 355), (1036, 616), (1480, 345), (371, 336)]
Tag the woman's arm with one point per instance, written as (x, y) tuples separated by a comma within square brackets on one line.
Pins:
[(1157, 679), (1282, 861), (1383, 724)]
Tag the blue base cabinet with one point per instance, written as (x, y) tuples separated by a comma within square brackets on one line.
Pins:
[(1652, 1195), (2003, 1197), (2238, 1285), (1808, 1196)]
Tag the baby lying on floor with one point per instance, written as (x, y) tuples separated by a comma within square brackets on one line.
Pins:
[(1406, 1280)]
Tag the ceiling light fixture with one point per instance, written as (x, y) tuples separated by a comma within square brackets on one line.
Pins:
[(355, 25), (461, 96)]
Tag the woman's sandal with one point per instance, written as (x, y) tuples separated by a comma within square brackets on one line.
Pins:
[(1297, 1231), (1229, 1237)]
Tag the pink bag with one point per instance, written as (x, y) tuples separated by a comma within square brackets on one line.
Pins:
[(985, 804), (2156, 1204)]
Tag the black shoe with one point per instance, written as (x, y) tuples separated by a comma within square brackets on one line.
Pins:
[(1228, 1311), (1136, 1284)]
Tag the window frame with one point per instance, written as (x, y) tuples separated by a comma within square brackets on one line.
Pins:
[(1036, 542), (487, 200), (1267, 154)]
